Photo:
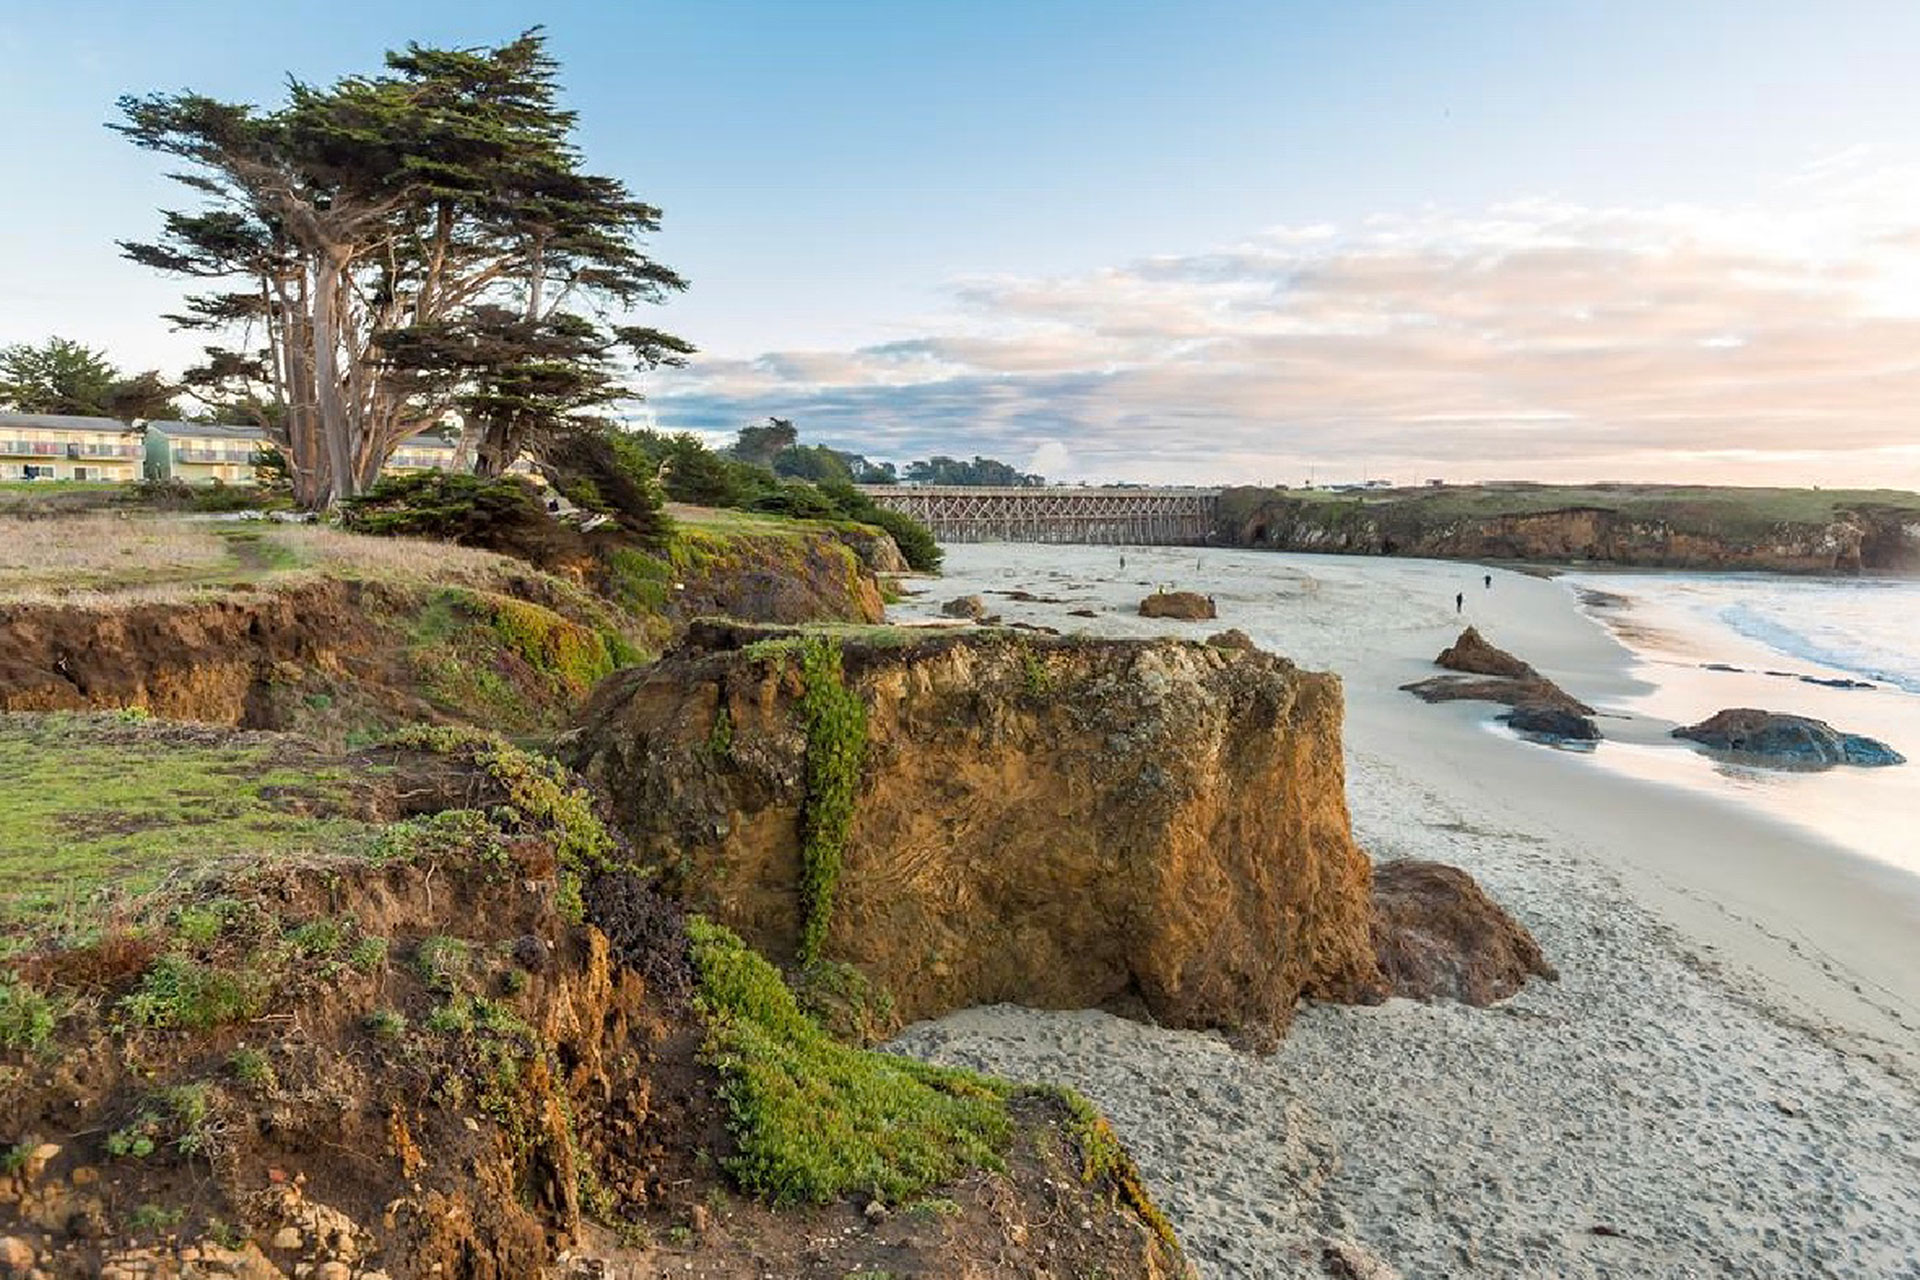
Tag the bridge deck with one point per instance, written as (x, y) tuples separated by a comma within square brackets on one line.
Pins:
[(957, 513)]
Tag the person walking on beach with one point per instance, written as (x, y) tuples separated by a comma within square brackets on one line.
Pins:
[(1459, 601), (1489, 582)]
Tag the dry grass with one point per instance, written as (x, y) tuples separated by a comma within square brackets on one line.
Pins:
[(100, 551), (332, 550)]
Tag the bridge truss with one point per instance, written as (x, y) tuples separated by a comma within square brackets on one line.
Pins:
[(1133, 517)]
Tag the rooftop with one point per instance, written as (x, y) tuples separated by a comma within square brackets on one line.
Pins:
[(58, 422), (210, 430)]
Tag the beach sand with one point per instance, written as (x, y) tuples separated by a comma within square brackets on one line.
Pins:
[(1721, 1083)]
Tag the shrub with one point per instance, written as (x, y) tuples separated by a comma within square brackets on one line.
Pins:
[(914, 539), (253, 1069), (386, 1024), (441, 961), (178, 992), (26, 1017), (449, 506), (369, 954)]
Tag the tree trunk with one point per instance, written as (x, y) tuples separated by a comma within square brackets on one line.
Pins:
[(336, 426)]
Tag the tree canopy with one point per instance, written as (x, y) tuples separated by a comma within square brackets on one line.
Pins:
[(390, 248), (66, 377), (981, 471)]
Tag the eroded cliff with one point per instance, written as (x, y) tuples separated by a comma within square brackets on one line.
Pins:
[(400, 1013), (1059, 822), (1788, 531)]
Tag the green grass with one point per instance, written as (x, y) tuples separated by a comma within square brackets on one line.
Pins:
[(816, 1120), (96, 810)]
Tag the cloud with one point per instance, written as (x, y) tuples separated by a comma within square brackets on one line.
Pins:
[(1778, 342)]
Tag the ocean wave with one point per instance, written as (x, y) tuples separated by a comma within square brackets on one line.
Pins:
[(1866, 630)]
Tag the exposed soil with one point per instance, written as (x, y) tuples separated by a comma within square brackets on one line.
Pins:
[(567, 1126)]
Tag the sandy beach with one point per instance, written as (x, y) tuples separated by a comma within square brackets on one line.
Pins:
[(1722, 1083)]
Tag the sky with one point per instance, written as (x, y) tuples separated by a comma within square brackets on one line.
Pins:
[(1192, 242)]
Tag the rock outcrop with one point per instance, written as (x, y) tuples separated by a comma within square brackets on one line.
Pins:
[(1059, 822), (1547, 721), (1231, 638), (1471, 653), (1486, 673), (1187, 606), (970, 607), (1438, 935), (1787, 741)]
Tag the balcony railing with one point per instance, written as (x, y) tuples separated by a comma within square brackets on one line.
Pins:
[(64, 449), (181, 454)]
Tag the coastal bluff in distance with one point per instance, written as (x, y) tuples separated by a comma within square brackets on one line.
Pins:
[(1650, 526)]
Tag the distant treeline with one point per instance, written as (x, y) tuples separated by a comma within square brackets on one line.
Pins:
[(775, 445), (800, 481)]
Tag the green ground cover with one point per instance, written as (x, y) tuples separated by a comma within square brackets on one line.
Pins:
[(98, 811)]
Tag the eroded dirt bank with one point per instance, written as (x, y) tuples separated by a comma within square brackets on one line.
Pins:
[(455, 1040)]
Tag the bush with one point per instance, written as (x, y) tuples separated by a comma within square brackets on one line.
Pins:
[(180, 992), (448, 506), (26, 1017)]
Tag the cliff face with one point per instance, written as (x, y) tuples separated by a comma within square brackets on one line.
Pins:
[(1059, 822), (341, 657), (1642, 530)]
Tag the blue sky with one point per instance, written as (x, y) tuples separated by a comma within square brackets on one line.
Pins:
[(1190, 241)]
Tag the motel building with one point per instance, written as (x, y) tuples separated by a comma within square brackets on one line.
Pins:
[(37, 446), (60, 447), (201, 452)]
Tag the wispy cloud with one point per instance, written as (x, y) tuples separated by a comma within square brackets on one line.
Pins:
[(1776, 342)]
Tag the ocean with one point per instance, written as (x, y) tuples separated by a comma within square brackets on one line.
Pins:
[(1846, 651)]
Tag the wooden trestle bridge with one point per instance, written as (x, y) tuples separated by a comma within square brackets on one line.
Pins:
[(1130, 517)]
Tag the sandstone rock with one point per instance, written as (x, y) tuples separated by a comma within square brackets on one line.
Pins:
[(1187, 606), (1232, 638), (1787, 741), (965, 607), (1489, 674), (1165, 825), (1547, 720), (875, 547), (1438, 934), (1471, 653)]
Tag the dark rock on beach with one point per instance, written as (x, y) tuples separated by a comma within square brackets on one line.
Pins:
[(1483, 673), (1786, 741), (1545, 720)]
